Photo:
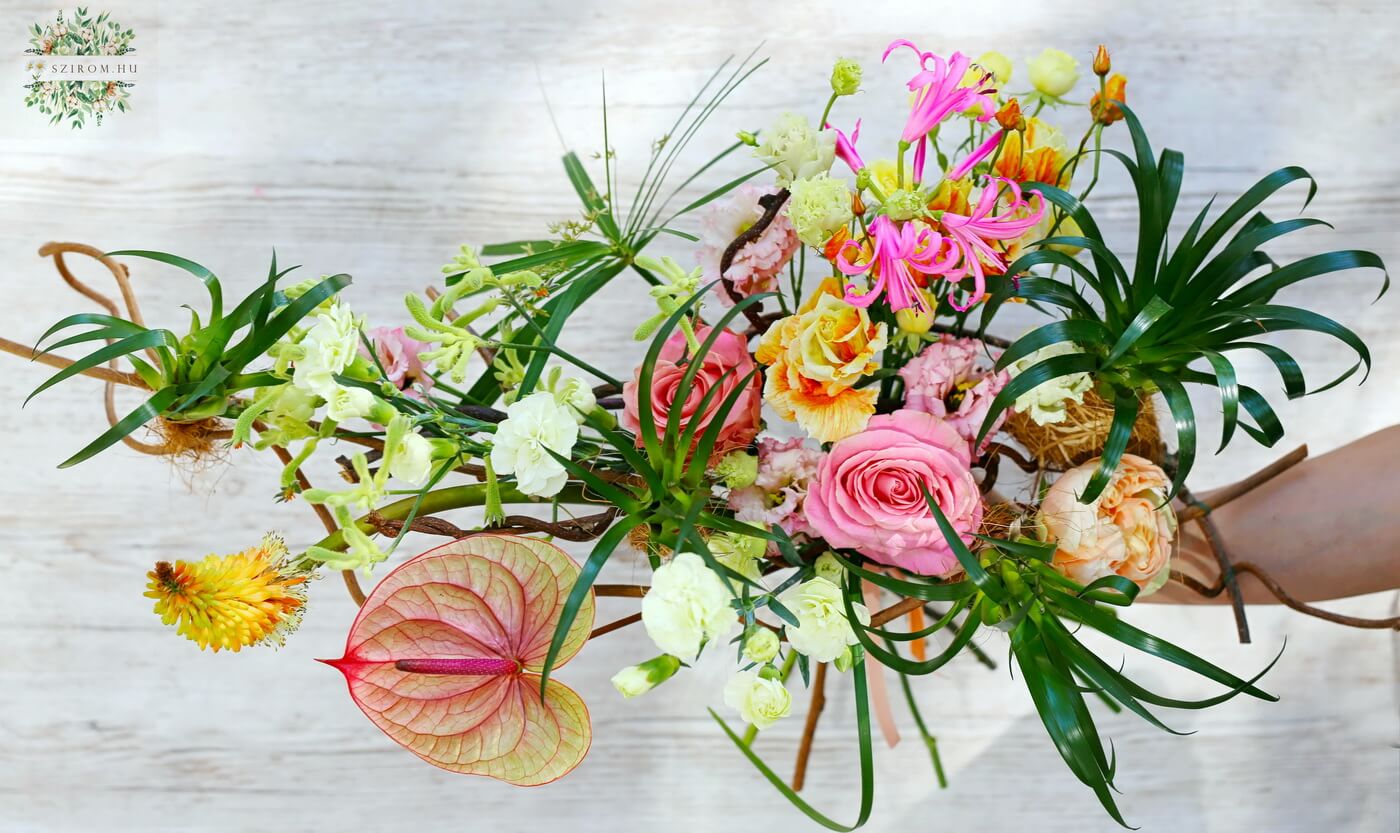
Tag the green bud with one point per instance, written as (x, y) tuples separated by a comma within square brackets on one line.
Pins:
[(760, 645), (845, 661), (829, 568), (904, 204), (747, 138), (738, 469), (770, 672), (637, 680), (845, 77)]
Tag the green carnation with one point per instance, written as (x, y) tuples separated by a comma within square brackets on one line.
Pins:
[(819, 206)]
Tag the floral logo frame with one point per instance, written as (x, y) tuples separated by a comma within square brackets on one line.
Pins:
[(77, 102)]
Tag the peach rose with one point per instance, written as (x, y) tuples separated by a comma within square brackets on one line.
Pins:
[(730, 352), (1126, 531)]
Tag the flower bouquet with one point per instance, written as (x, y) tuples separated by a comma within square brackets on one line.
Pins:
[(808, 455)]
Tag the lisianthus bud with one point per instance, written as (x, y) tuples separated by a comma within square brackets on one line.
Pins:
[(1053, 72), (747, 138), (819, 206), (1009, 116), (738, 469), (636, 680), (845, 77), (844, 662), (760, 645), (1102, 64)]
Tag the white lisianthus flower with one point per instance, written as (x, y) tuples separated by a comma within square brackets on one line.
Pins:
[(761, 646), (822, 632), (349, 403), (759, 701), (1053, 72), (686, 606), (412, 458), (636, 680), (795, 150), (819, 206), (330, 345), (531, 426), (1046, 403)]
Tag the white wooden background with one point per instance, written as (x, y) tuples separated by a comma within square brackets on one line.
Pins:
[(374, 139)]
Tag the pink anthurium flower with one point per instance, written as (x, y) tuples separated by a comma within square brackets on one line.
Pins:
[(898, 251), (446, 653)]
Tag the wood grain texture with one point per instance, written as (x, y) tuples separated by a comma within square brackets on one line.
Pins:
[(375, 139)]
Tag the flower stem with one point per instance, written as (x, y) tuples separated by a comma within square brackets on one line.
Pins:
[(441, 500)]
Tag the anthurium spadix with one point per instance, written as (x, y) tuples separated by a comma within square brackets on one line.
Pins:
[(445, 656)]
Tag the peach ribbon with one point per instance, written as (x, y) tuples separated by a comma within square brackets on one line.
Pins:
[(875, 677)]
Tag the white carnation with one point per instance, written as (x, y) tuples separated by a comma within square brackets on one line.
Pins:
[(795, 150), (533, 427), (822, 632), (759, 701), (686, 606)]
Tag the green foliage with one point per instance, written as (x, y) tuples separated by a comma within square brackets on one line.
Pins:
[(1179, 313), (575, 268), (193, 376)]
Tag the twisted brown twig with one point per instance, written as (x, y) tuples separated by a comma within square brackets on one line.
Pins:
[(809, 729), (771, 204), (1210, 591)]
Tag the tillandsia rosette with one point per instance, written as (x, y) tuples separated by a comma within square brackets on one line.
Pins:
[(807, 456)]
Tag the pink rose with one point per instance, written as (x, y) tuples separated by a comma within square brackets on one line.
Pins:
[(756, 266), (947, 380), (785, 468), (729, 352), (399, 355), (868, 492), (1126, 531)]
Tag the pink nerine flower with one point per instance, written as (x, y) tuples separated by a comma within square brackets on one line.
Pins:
[(971, 233), (398, 353), (756, 266), (899, 252), (726, 364), (846, 148), (948, 380), (868, 494), (939, 93), (785, 468)]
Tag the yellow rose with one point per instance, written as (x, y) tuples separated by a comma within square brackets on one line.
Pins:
[(815, 357), (1053, 72)]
